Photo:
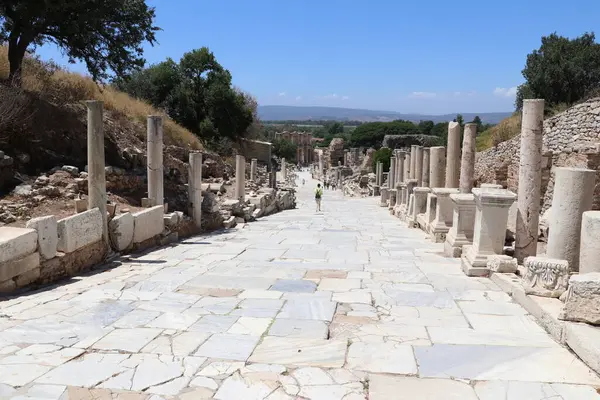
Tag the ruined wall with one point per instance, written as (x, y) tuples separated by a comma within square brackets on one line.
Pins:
[(256, 149), (569, 140)]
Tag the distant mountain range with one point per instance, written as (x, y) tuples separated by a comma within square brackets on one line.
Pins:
[(282, 113)]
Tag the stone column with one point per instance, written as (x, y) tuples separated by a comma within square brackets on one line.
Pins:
[(406, 167), (413, 158), (463, 220), (467, 165), (240, 178), (97, 197), (437, 167), (195, 188), (426, 164), (400, 159), (589, 255), (379, 173), (419, 165), (453, 161), (155, 160), (392, 174), (530, 179), (491, 217), (443, 214), (573, 195), (430, 212), (253, 168), (283, 170)]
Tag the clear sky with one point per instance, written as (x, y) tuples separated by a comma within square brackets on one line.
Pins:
[(425, 56)]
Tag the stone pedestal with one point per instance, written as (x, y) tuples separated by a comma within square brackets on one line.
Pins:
[(402, 199), (385, 194), (443, 214), (154, 139), (589, 253), (392, 198), (467, 164), (463, 220), (376, 190), (490, 186), (548, 277), (489, 231), (195, 188), (426, 166), (437, 167), (419, 205), (253, 169), (419, 166), (411, 184), (573, 195), (97, 197), (530, 179), (430, 212), (240, 178), (453, 155)]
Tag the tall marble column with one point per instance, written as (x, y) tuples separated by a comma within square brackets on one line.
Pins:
[(154, 140), (240, 178), (400, 159), (437, 167), (195, 188), (283, 170), (413, 158), (406, 176), (573, 195), (453, 156), (392, 174), (97, 196), (253, 168), (419, 165), (467, 165), (530, 179), (426, 165)]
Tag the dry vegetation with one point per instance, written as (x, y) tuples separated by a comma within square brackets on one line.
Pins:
[(61, 87), (505, 130)]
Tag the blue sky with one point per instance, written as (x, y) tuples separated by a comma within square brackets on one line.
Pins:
[(426, 56)]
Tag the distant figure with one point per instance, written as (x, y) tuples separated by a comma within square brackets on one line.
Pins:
[(303, 182), (327, 185), (318, 195)]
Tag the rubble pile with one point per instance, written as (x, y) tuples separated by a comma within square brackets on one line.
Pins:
[(359, 185)]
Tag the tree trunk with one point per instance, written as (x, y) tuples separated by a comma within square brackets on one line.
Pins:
[(16, 53)]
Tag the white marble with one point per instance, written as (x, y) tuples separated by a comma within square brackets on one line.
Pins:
[(228, 346), (382, 358)]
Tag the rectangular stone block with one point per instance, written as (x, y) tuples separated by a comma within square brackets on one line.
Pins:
[(12, 268), (582, 302), (148, 223), (47, 235), (79, 230), (16, 243), (120, 231), (546, 277)]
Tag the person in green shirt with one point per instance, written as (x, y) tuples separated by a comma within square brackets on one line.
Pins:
[(318, 195)]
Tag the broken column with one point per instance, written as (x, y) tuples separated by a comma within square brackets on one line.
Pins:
[(573, 195), (283, 171), (467, 165), (530, 179), (154, 140), (419, 165), (443, 214), (97, 197), (463, 204), (240, 178), (253, 168), (195, 188), (453, 156), (413, 158), (437, 167), (491, 217), (425, 173)]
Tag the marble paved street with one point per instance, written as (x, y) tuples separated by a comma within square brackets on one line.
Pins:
[(344, 304)]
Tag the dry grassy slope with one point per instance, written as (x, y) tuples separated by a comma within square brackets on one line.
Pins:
[(505, 130), (47, 119)]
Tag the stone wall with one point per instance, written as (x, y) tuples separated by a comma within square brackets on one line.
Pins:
[(256, 149), (401, 141), (569, 140)]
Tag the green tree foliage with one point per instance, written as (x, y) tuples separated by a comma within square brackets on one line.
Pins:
[(284, 148), (106, 35), (335, 128), (440, 129), (459, 118), (197, 93), (562, 70), (382, 155), (426, 127)]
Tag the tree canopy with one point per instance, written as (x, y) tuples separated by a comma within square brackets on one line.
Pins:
[(371, 134), (562, 70), (106, 35), (196, 93), (284, 148)]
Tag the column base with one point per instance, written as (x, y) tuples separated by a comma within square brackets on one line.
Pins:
[(376, 191), (474, 264)]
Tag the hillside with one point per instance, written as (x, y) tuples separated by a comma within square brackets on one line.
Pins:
[(281, 113)]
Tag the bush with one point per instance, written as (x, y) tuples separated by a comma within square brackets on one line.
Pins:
[(284, 148), (399, 141), (382, 155)]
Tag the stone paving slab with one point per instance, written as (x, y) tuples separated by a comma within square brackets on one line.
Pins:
[(345, 304)]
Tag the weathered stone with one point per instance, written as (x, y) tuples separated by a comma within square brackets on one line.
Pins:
[(154, 140), (589, 255), (546, 277), (582, 302), (71, 169), (47, 235), (148, 223), (28, 277), (463, 220), (453, 156), (120, 230), (502, 264), (16, 267), (79, 230), (16, 243), (442, 222)]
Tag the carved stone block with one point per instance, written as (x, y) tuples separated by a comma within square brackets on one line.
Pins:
[(547, 277), (582, 300), (502, 264)]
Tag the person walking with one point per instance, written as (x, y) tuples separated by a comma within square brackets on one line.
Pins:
[(318, 195)]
